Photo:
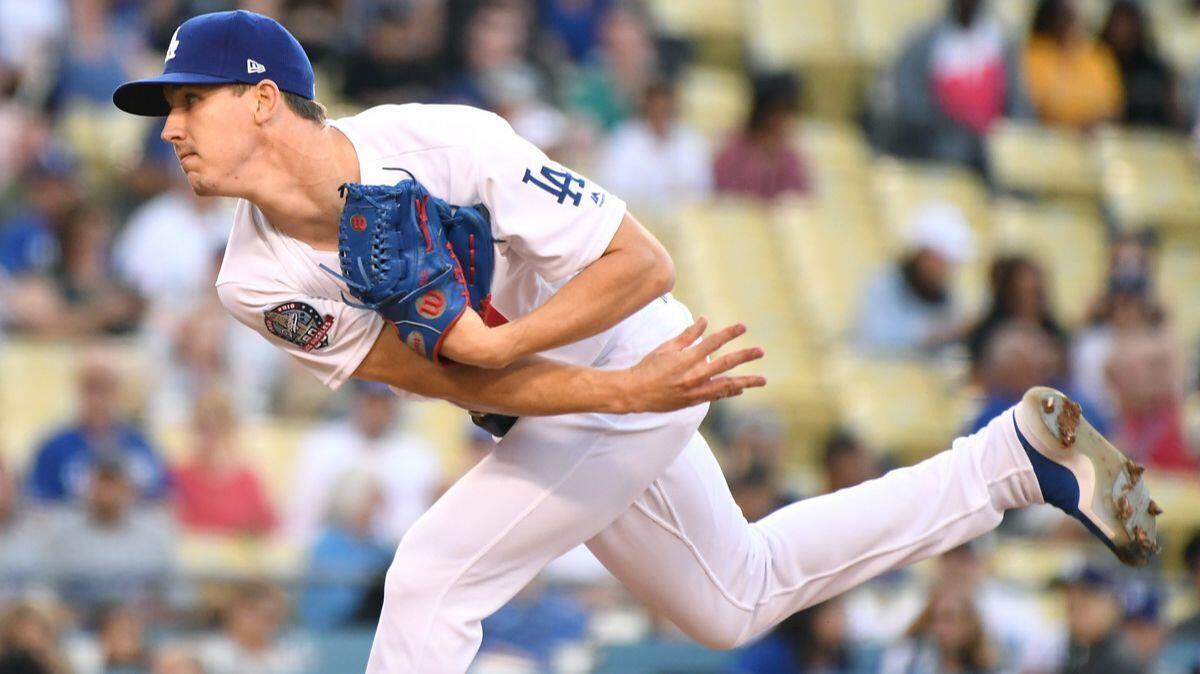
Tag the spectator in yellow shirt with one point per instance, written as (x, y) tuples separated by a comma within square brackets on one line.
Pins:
[(1073, 80)]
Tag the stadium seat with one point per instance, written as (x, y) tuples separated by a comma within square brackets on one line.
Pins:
[(714, 101), (1070, 243), (1149, 178), (877, 29), (1014, 15), (1031, 563), (838, 158), (901, 188), (720, 19), (1178, 32), (731, 263), (223, 557), (830, 254), (789, 34), (1041, 160), (907, 407)]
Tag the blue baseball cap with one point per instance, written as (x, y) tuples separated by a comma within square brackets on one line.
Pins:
[(223, 48)]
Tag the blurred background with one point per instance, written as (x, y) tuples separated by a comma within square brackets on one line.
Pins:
[(920, 207)]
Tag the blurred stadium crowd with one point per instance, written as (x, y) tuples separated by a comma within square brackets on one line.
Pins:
[(920, 208)]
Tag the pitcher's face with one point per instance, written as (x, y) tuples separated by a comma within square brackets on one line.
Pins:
[(213, 132)]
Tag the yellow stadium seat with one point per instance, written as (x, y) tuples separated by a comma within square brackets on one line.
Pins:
[(1042, 160), (838, 158), (789, 34), (830, 256), (1070, 243), (902, 188), (1015, 15), (719, 19), (217, 556), (730, 259), (1178, 36), (714, 101), (1031, 562), (908, 407), (1149, 178), (877, 29)]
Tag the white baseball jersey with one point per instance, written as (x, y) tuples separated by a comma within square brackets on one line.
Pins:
[(548, 222)]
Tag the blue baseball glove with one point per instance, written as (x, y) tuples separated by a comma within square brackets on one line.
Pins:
[(469, 233), (396, 261)]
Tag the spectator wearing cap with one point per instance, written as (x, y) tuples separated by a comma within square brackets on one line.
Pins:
[(760, 160), (29, 240), (1142, 626), (953, 81), (62, 465), (908, 308), (129, 554), (1073, 79), (215, 491), (373, 440), (1181, 653), (1094, 610)]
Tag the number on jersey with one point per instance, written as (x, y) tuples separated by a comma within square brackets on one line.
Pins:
[(557, 183)]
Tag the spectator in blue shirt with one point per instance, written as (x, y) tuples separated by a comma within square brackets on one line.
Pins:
[(29, 238), (63, 464), (908, 309), (346, 559), (536, 623)]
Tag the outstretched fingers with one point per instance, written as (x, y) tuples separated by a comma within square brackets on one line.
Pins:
[(712, 343), (689, 335), (726, 387), (731, 360)]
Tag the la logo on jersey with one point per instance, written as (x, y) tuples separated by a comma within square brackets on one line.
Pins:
[(253, 67), (174, 45)]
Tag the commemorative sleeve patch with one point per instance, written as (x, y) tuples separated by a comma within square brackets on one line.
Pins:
[(300, 324)]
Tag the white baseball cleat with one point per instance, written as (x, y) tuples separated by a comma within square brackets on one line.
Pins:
[(1083, 475)]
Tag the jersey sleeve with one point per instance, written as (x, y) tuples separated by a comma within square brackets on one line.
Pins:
[(328, 337), (554, 218)]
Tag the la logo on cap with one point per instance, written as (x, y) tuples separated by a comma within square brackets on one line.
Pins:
[(253, 67), (174, 45)]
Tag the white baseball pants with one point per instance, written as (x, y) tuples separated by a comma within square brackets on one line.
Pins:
[(647, 496)]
